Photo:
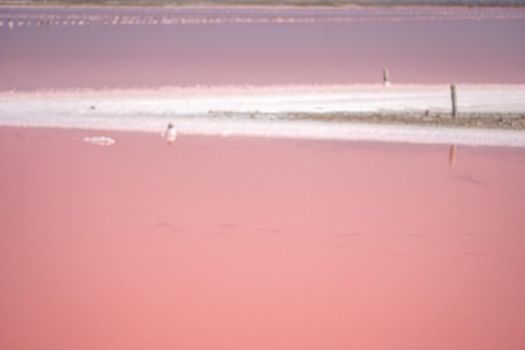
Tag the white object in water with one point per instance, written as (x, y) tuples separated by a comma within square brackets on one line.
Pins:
[(100, 140), (170, 134)]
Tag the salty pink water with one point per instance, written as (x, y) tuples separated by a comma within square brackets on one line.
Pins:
[(243, 46), (239, 243)]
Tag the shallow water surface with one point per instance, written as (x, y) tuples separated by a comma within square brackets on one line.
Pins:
[(236, 243), (89, 47)]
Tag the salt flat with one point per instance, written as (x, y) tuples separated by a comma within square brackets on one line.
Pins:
[(273, 99), (208, 110)]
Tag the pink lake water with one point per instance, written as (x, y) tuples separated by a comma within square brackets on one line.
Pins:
[(246, 243), (42, 48)]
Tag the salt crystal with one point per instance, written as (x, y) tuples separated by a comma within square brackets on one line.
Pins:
[(100, 140)]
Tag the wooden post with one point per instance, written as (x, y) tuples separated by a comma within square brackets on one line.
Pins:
[(386, 77), (453, 97)]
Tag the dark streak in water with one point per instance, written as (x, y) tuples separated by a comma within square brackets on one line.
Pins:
[(229, 226), (274, 231), (468, 179), (471, 234), (162, 224), (166, 226)]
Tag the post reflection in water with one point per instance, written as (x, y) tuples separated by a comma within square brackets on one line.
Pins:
[(452, 155)]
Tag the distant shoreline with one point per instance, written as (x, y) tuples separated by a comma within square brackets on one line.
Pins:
[(262, 3)]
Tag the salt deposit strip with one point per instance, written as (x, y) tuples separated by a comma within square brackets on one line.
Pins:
[(205, 110), (278, 99), (35, 17)]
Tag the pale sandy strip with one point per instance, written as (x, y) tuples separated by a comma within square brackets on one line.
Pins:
[(278, 99), (293, 129), (198, 111)]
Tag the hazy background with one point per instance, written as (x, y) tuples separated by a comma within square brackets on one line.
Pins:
[(270, 2)]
